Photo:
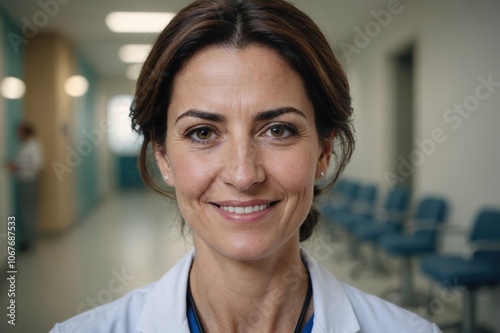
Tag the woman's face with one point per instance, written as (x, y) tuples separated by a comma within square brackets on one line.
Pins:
[(242, 151)]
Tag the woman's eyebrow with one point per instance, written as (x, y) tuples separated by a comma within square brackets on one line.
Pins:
[(216, 117), (261, 116), (270, 114)]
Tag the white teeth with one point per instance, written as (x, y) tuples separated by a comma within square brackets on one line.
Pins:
[(245, 210)]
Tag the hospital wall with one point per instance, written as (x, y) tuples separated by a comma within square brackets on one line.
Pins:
[(11, 64), (456, 51), (456, 110), (70, 128)]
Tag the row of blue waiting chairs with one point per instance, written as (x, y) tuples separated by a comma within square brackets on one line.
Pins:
[(352, 208)]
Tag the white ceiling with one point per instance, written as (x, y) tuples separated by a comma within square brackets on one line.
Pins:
[(82, 21)]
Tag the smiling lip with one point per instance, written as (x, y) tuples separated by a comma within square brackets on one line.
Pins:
[(248, 211)]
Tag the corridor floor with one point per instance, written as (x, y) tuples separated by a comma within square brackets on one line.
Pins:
[(128, 241)]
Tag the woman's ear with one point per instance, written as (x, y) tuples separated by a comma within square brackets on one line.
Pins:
[(326, 151), (164, 165)]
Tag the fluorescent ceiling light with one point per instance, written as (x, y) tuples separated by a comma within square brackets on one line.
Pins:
[(76, 86), (138, 22), (12, 88), (134, 53)]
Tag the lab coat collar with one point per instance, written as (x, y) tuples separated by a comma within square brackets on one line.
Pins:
[(166, 302), (333, 312)]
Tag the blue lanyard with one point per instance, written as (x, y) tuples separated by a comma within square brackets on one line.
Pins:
[(195, 325)]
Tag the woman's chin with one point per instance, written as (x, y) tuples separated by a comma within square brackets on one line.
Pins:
[(251, 250)]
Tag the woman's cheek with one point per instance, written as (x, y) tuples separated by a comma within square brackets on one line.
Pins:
[(297, 171), (192, 175)]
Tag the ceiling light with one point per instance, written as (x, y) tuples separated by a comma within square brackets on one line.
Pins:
[(133, 71), (12, 88), (134, 53), (76, 86), (138, 22)]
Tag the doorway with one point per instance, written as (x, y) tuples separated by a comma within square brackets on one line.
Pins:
[(404, 69)]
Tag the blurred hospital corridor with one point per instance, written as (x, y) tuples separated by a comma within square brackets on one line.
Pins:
[(413, 219), (131, 240), (128, 241)]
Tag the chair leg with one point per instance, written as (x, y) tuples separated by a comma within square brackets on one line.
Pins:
[(351, 251), (469, 312), (406, 295), (407, 292), (354, 246), (374, 264), (468, 324), (430, 295)]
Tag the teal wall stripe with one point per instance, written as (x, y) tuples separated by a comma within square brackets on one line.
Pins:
[(85, 119), (13, 66)]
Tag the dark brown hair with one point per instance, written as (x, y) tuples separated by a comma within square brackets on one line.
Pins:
[(275, 24)]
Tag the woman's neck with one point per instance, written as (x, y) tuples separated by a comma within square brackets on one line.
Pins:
[(249, 296)]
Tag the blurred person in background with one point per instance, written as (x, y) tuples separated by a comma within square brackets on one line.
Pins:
[(26, 167), (241, 102)]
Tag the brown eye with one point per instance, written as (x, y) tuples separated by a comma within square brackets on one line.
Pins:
[(203, 134), (281, 131), (277, 131)]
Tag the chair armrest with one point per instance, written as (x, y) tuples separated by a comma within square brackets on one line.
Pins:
[(451, 228), (423, 225), (381, 215), (485, 245), (362, 207), (399, 214), (413, 225)]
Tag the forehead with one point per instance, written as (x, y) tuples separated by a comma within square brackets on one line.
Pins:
[(245, 76), (221, 63)]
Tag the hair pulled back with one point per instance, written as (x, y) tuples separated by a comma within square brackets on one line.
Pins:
[(275, 24)]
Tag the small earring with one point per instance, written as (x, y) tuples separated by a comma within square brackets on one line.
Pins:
[(322, 174), (166, 178)]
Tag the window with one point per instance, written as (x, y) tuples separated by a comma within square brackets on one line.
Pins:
[(121, 139)]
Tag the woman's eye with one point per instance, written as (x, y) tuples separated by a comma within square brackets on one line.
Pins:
[(277, 131), (281, 131), (201, 134)]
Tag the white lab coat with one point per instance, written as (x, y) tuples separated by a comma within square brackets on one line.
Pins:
[(29, 160), (161, 307)]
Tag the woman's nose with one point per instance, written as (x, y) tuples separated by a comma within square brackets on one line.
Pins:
[(243, 168)]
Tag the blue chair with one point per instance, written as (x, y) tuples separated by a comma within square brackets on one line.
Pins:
[(477, 267), (362, 206), (340, 200), (325, 201), (429, 214), (369, 230)]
